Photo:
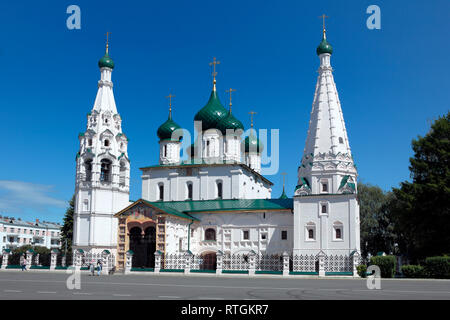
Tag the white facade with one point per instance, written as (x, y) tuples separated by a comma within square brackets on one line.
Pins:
[(16, 233), (102, 173)]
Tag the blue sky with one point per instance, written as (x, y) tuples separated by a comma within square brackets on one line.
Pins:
[(391, 81)]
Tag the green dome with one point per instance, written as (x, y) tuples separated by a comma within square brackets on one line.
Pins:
[(324, 47), (106, 62), (211, 114), (229, 122), (166, 129), (252, 144), (283, 195)]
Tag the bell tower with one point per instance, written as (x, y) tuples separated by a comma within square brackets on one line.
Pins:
[(102, 170)]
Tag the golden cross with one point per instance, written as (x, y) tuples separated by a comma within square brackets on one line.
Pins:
[(251, 113), (213, 63), (170, 96), (323, 16), (230, 91), (107, 40)]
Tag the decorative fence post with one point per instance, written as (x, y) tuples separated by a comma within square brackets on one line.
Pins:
[(106, 262), (5, 253), (77, 258), (252, 262), (157, 261), (355, 256), (29, 258), (187, 262), (219, 262), (53, 258), (128, 261), (63, 260), (322, 257), (36, 259), (285, 263)]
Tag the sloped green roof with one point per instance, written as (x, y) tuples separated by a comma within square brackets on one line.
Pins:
[(324, 47), (194, 206), (167, 128), (184, 209), (229, 122)]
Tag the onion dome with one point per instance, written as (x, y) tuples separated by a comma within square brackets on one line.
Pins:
[(231, 123), (212, 113), (252, 144), (106, 62), (283, 195), (167, 128), (324, 46)]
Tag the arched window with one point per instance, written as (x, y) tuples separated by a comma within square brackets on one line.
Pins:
[(210, 234), (207, 148), (90, 142), (165, 150), (161, 192), (219, 190), (106, 143), (311, 233), (88, 170), (341, 140), (190, 192), (105, 173), (338, 234), (338, 230), (324, 208)]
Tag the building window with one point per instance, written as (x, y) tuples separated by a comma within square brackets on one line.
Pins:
[(165, 150), (219, 190), (122, 173), (210, 234), (88, 169), (180, 244), (90, 142), (338, 228), (341, 140), (161, 192), (310, 231), (105, 173), (189, 191), (106, 143), (324, 187), (246, 235), (284, 235), (324, 208), (338, 234), (263, 236)]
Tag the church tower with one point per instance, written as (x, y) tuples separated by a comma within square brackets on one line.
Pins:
[(326, 211), (170, 136), (252, 148), (102, 170)]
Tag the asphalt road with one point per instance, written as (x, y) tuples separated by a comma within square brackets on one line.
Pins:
[(51, 285)]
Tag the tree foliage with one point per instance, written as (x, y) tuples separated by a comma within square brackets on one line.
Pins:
[(420, 209), (375, 224), (67, 228)]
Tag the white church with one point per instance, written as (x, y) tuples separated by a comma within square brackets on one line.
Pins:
[(216, 200)]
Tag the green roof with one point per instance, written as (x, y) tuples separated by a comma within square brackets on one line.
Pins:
[(324, 47), (167, 128), (194, 206), (184, 209), (231, 123), (283, 195)]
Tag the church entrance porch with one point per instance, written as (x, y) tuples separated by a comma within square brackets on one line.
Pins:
[(143, 244)]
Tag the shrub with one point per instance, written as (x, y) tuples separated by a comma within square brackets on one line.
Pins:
[(438, 267), (386, 265), (413, 271), (362, 270)]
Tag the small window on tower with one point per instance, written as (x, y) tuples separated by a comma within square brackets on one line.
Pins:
[(219, 190), (341, 140), (90, 142), (283, 235), (161, 192), (324, 208), (106, 143)]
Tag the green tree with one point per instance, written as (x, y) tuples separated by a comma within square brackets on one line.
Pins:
[(420, 208), (67, 228), (375, 224)]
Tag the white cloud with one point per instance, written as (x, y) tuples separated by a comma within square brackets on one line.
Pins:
[(17, 196)]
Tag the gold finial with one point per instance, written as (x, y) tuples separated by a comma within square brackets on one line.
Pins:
[(251, 113), (230, 91), (107, 40), (214, 73), (323, 16), (170, 96), (284, 178)]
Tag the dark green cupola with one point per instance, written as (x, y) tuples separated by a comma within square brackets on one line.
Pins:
[(166, 130), (231, 123), (106, 62), (252, 144), (212, 113), (324, 46)]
